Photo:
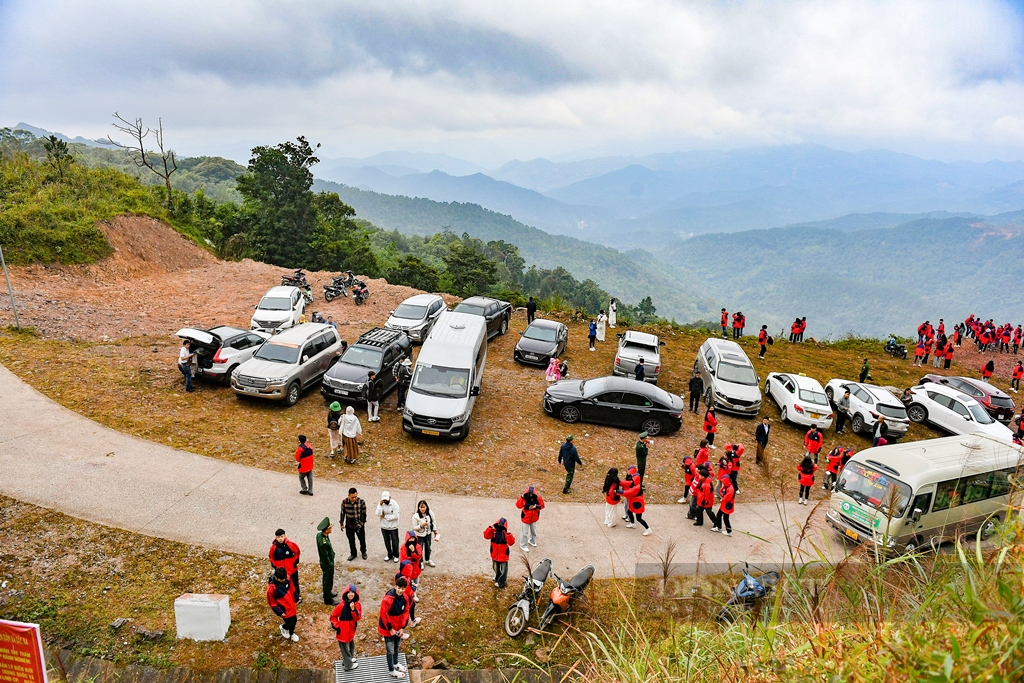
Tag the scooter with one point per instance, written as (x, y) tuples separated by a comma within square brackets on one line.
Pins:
[(894, 349), (565, 594), (360, 293), (519, 613), (748, 594)]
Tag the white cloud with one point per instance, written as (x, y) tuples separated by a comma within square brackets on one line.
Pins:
[(523, 78)]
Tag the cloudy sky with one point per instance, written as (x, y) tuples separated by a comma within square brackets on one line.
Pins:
[(492, 81)]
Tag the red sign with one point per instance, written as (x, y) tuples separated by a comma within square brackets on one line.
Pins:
[(21, 653)]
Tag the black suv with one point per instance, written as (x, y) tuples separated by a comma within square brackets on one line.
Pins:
[(378, 350), (496, 312)]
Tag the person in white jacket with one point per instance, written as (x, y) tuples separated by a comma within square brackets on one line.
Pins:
[(351, 430), (425, 528), (389, 516)]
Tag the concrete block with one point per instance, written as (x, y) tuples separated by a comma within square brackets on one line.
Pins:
[(202, 617)]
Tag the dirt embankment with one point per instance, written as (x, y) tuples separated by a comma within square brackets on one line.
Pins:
[(157, 282)]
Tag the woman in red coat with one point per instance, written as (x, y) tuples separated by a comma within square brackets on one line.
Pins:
[(806, 470), (710, 426), (727, 507), (734, 474), (281, 598), (633, 492), (689, 471), (987, 370), (612, 496), (835, 464), (344, 619)]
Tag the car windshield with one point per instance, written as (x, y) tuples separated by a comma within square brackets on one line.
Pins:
[(634, 346), (410, 312), (737, 374), (813, 397), (363, 357), (980, 414), (898, 412), (548, 334), (472, 310), (278, 352), (870, 487), (436, 380), (275, 303)]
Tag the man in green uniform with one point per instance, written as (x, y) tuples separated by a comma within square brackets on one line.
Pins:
[(865, 371), (326, 551), (643, 446)]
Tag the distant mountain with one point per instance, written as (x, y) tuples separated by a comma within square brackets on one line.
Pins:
[(43, 133), (421, 162)]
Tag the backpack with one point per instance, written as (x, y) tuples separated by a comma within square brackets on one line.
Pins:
[(770, 340)]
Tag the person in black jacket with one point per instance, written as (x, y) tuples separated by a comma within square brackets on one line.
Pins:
[(403, 376), (639, 370), (696, 391), (761, 437), (372, 392), (531, 310)]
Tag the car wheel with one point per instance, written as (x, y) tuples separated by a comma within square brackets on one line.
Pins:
[(504, 326), (917, 413), (569, 414), (226, 381), (292, 397), (987, 528), (912, 546), (652, 426), (857, 424), (830, 395), (784, 415)]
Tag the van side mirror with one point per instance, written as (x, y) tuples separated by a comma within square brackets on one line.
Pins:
[(915, 516), (474, 391)]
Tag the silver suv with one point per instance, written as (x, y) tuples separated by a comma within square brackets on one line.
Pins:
[(633, 346), (288, 363), (729, 376)]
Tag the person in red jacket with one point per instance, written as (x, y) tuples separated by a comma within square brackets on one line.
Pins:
[(710, 426), (724, 466), (726, 508), (928, 342), (987, 370), (813, 441), (725, 322), (500, 538), (794, 331), (689, 470), (281, 598), (762, 341), (304, 456), (633, 492), (530, 504), (612, 496), (705, 499), (734, 472), (806, 470), (698, 479), (948, 355), (344, 619), (919, 352), (803, 328), (394, 616), (1015, 378), (835, 465), (702, 454), (412, 552), (941, 329), (1017, 334), (284, 554), (407, 569), (736, 325)]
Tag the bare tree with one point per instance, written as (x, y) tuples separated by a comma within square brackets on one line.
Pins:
[(162, 163)]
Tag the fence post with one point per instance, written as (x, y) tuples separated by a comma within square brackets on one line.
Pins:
[(10, 292)]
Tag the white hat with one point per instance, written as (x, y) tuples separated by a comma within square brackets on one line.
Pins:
[(407, 361), (384, 495)]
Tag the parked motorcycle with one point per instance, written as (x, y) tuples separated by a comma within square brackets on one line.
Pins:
[(298, 279), (748, 594), (894, 349), (519, 613), (565, 594), (345, 281), (360, 293), (333, 291)]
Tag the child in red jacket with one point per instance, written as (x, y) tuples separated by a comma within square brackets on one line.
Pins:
[(501, 538), (727, 507), (281, 598), (304, 456), (344, 619), (531, 504), (835, 465), (806, 470)]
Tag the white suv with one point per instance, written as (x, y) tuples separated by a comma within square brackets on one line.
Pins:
[(867, 402), (280, 308), (953, 411)]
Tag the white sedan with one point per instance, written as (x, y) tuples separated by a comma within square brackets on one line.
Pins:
[(953, 411), (801, 399)]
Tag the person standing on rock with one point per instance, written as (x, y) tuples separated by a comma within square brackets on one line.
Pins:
[(761, 438), (612, 308), (326, 552), (372, 393), (394, 617), (501, 539), (389, 515), (643, 448), (569, 458), (403, 377), (185, 357), (351, 430), (353, 521), (281, 598), (345, 618), (304, 458), (334, 419), (425, 527), (284, 554), (530, 504)]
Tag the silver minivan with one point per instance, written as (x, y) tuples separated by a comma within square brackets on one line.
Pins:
[(729, 377), (288, 363)]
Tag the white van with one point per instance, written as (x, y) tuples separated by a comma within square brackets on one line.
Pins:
[(447, 377), (916, 495)]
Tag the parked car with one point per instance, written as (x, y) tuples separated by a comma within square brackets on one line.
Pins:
[(280, 308), (416, 315), (633, 346), (801, 399), (730, 381), (867, 402), (953, 411), (288, 363), (219, 350), (378, 350), (996, 401), (496, 312), (541, 341), (615, 402)]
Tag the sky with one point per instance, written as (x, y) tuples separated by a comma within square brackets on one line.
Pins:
[(494, 81)]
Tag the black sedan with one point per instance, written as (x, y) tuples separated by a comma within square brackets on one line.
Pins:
[(540, 342), (615, 402)]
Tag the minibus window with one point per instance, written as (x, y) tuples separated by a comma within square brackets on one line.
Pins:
[(870, 487), (922, 502), (1001, 481), (949, 494)]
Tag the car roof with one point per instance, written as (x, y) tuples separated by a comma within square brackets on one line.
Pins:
[(640, 337), (879, 393), (225, 331), (948, 391), (725, 346), (989, 389), (542, 322), (803, 381), (454, 340), (614, 383), (299, 333), (479, 301), (281, 290), (421, 299)]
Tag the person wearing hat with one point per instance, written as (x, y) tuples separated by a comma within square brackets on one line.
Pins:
[(388, 513), (334, 417), (284, 554), (344, 620), (326, 552), (501, 538), (281, 598), (643, 445), (531, 504), (403, 375), (865, 371), (569, 458)]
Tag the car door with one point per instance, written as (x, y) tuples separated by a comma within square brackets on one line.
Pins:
[(961, 422), (492, 319), (603, 409), (563, 339), (940, 412), (307, 363), (636, 408), (918, 523), (386, 376)]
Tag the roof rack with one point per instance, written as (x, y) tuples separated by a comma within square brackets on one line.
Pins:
[(379, 337)]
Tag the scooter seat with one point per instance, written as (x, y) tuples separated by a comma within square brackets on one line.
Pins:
[(582, 577)]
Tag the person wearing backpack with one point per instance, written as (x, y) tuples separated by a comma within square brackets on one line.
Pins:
[(334, 418), (762, 341), (530, 504), (304, 458), (501, 538)]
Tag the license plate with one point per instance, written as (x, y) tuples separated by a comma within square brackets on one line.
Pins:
[(431, 433), (852, 534), (250, 390), (815, 416)]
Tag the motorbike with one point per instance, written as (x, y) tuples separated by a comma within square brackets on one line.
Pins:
[(895, 349), (297, 279), (519, 613), (359, 292), (748, 594), (344, 281), (565, 594), (333, 291)]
